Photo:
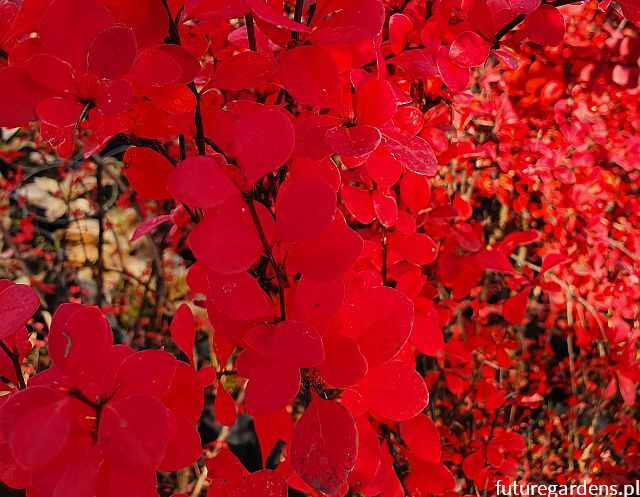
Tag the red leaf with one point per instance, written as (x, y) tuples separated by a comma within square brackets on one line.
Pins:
[(132, 432), (226, 468), (240, 297), (17, 304), (494, 260), (413, 152), (368, 455), (41, 425), (226, 240), (268, 14), (474, 464), (343, 365), (383, 168), (399, 28), (328, 255), (224, 408), (218, 9), (184, 445), (627, 387), (359, 203), (515, 307), (310, 76), (271, 387), (456, 78), (185, 396), (201, 182), (430, 478), (469, 50), (183, 331), (394, 391), (188, 64), (421, 436), (270, 429), (19, 96), (114, 98), (265, 483), (79, 341), (545, 25), (132, 376), (385, 208), (552, 260), (380, 321), (304, 209), (298, 344), (427, 335), (264, 141), (59, 112), (113, 52), (416, 248), (507, 57), (324, 445), (415, 191), (317, 303), (243, 70), (341, 22), (354, 141), (375, 102), (156, 67), (147, 226), (69, 27), (147, 172), (479, 15)]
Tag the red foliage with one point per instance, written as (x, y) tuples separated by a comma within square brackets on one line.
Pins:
[(326, 168)]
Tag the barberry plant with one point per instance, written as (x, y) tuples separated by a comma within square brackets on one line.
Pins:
[(394, 243)]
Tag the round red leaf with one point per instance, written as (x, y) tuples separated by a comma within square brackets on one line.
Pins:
[(264, 483), (380, 321), (328, 255), (304, 209), (394, 391), (272, 386), (243, 70), (133, 432), (184, 446), (421, 436), (298, 344), (375, 102), (239, 297), (342, 22), (343, 365), (17, 305), (324, 445), (469, 50), (68, 27), (455, 77), (310, 76), (113, 52), (227, 240), (201, 182), (264, 141), (545, 25), (148, 173), (355, 141)]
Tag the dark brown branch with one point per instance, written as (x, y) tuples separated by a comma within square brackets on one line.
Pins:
[(15, 360), (383, 235), (520, 18), (297, 16), (251, 32), (99, 269), (280, 276)]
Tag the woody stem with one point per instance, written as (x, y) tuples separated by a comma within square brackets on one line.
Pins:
[(15, 360)]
